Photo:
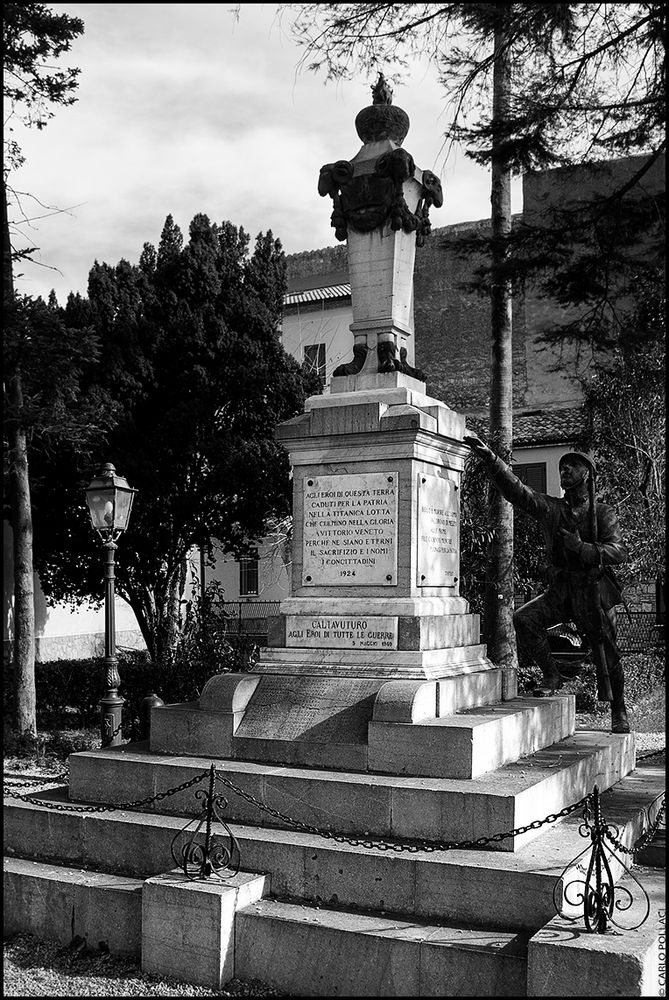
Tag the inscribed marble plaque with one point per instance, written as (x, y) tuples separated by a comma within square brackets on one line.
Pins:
[(438, 532), (342, 631), (328, 710), (350, 530)]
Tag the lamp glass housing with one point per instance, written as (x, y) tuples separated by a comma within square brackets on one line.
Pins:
[(109, 499)]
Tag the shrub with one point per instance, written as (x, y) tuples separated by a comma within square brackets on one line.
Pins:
[(644, 674), (21, 745)]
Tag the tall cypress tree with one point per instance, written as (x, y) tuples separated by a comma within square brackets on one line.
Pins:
[(191, 351)]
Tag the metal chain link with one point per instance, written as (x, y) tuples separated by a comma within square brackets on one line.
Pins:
[(386, 845), (377, 844), (109, 808), (37, 780), (106, 743), (643, 840)]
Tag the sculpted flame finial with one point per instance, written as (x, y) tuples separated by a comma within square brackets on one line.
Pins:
[(382, 92)]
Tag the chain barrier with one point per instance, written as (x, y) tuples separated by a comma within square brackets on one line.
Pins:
[(598, 894), (62, 807), (390, 845), (106, 742), (643, 840), (596, 898), (38, 779)]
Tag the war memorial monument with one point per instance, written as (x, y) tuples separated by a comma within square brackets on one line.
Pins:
[(373, 728)]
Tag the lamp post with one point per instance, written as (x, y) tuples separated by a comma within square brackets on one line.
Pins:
[(109, 499)]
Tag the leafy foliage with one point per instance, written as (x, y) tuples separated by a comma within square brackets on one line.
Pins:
[(33, 37), (587, 83), (587, 78), (476, 535), (626, 401), (54, 362), (190, 349)]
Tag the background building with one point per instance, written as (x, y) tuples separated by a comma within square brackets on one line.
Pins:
[(452, 345)]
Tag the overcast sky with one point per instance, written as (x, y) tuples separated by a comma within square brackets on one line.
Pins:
[(185, 109)]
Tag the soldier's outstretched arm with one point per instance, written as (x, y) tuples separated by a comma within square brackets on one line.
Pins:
[(502, 477)]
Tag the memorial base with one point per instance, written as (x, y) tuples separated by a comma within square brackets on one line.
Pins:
[(375, 663)]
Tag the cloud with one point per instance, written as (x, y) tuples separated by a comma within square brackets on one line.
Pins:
[(183, 110)]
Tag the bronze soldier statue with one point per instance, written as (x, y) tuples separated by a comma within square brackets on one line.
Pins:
[(583, 540)]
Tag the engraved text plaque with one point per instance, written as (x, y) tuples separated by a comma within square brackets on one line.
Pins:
[(438, 532), (350, 530)]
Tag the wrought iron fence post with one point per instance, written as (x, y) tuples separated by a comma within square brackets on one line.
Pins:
[(218, 855), (207, 867), (598, 904), (597, 892)]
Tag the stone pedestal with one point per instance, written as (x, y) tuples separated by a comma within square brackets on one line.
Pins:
[(188, 925), (374, 663)]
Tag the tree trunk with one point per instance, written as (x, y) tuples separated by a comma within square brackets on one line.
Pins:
[(25, 702), (499, 596)]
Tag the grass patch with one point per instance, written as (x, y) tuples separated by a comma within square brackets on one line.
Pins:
[(37, 968)]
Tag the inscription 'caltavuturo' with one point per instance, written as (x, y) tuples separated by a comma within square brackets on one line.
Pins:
[(350, 530)]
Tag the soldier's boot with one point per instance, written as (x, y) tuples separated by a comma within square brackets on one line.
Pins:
[(552, 679), (532, 639), (619, 720), (551, 682)]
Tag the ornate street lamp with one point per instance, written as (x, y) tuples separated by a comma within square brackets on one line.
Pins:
[(109, 499)]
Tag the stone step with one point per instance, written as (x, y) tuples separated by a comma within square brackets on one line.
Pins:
[(628, 960), (484, 887), (60, 904), (654, 854), (188, 925), (473, 742), (306, 951), (370, 663), (377, 805), (309, 721)]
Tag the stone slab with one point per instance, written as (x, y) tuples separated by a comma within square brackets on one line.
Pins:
[(566, 960), (299, 752), (389, 605), (414, 701), (438, 531), (59, 903), (439, 631), (391, 387), (472, 743), (508, 890), (310, 709), (187, 728), (188, 926), (331, 953), (372, 804), (373, 663)]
